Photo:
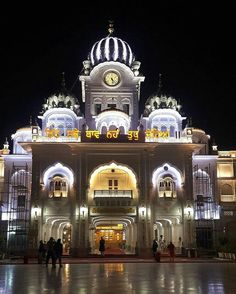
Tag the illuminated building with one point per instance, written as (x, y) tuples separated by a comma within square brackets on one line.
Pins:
[(111, 172)]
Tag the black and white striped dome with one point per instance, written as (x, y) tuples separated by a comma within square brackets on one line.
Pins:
[(111, 49)]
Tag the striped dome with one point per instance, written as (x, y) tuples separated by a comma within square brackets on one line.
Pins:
[(111, 49)]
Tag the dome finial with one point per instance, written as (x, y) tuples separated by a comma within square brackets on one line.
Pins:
[(159, 84), (111, 28), (63, 81)]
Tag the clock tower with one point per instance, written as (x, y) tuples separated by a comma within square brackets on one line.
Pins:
[(111, 86)]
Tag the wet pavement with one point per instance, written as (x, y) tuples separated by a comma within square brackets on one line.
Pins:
[(110, 277)]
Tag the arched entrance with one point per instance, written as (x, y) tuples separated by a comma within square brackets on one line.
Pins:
[(168, 229), (58, 228), (120, 234), (113, 202)]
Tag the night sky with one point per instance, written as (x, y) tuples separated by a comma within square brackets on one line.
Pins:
[(191, 45)]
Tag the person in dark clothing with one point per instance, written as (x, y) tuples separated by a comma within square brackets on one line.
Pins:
[(102, 246), (50, 252), (58, 248), (171, 249), (41, 252), (154, 247)]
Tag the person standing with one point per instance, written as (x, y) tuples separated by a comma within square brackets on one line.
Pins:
[(161, 243), (154, 247), (102, 246), (41, 252), (171, 249), (50, 252), (58, 248)]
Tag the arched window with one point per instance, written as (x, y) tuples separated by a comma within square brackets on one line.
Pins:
[(122, 130), (227, 190), (202, 184), (104, 130), (58, 187), (163, 128), (172, 131), (167, 187)]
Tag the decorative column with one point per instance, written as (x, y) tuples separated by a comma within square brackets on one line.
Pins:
[(83, 233), (33, 231), (189, 216)]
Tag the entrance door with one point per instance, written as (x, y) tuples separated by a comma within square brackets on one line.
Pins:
[(66, 240), (204, 238), (114, 238)]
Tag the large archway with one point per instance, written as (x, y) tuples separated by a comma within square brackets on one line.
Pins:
[(120, 234), (113, 200), (58, 227)]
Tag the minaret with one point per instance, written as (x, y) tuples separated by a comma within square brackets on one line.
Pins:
[(5, 149)]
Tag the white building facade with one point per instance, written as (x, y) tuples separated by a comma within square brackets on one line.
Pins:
[(111, 172)]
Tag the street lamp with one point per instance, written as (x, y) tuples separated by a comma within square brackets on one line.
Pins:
[(35, 211), (83, 211), (189, 211), (142, 210)]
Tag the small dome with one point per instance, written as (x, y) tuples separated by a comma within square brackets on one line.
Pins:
[(62, 99), (24, 129), (160, 100), (111, 49)]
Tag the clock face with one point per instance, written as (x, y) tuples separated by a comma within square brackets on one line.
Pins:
[(112, 78)]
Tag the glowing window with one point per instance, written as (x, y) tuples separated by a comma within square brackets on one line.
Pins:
[(113, 184), (167, 187), (58, 187)]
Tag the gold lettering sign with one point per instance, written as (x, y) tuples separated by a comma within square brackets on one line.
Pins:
[(133, 135), (155, 134), (91, 134), (113, 134), (52, 133), (73, 133)]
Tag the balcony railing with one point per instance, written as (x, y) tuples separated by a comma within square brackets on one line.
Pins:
[(113, 193)]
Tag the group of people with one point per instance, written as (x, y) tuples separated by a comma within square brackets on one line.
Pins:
[(50, 250), (170, 247)]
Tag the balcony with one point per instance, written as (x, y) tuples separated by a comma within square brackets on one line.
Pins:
[(112, 193), (113, 197)]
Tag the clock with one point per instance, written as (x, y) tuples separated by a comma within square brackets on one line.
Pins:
[(112, 78)]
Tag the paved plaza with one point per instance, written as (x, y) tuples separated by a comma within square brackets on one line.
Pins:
[(118, 277)]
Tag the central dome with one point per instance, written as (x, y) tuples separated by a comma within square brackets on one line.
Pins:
[(111, 49)]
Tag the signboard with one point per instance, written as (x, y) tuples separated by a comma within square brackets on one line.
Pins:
[(130, 210), (109, 136)]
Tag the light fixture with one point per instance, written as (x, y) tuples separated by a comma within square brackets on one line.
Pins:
[(142, 211), (83, 211), (189, 211), (35, 211)]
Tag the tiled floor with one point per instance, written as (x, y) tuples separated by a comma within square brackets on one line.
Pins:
[(95, 278)]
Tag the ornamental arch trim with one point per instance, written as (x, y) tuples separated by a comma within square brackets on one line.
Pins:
[(167, 169)]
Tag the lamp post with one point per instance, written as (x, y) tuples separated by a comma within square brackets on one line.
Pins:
[(36, 211), (142, 212), (83, 211), (189, 212)]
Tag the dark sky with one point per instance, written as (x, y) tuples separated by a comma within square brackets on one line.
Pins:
[(191, 44)]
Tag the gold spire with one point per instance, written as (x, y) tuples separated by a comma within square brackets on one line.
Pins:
[(63, 81), (111, 28), (159, 89), (160, 82)]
